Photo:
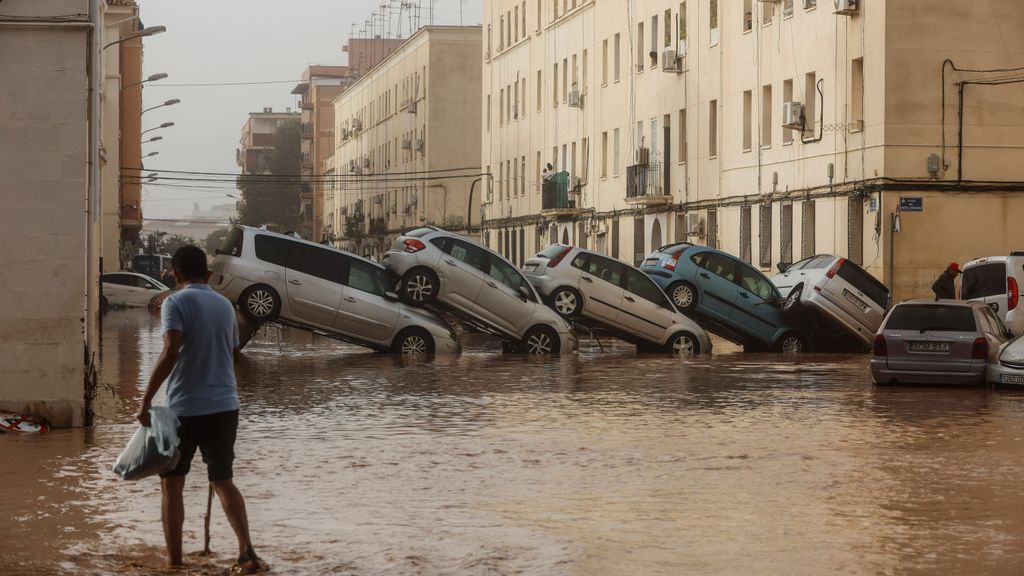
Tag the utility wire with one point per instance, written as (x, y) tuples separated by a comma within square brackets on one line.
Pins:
[(437, 171)]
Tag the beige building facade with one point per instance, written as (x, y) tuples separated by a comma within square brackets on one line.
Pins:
[(772, 130), (407, 148)]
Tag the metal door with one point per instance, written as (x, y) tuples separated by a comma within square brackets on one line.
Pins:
[(460, 270), (314, 284), (756, 308), (364, 311), (499, 300), (643, 311), (601, 286), (714, 279)]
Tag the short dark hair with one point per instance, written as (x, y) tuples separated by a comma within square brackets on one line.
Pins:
[(190, 262)]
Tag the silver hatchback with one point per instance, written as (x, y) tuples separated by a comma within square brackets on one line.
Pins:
[(478, 285), (580, 283), (276, 277), (937, 342)]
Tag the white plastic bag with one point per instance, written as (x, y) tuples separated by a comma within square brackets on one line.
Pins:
[(151, 450)]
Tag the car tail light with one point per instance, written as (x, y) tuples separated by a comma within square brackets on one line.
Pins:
[(558, 257), (835, 268), (1012, 293), (413, 245), (980, 349), (670, 264), (880, 348)]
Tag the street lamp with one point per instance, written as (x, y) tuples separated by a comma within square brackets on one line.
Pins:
[(152, 78), (170, 102), (164, 125), (151, 175), (153, 139), (153, 153), (148, 31)]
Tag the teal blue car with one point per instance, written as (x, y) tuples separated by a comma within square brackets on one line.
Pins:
[(726, 296)]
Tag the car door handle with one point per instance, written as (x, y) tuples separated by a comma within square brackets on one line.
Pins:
[(449, 262), (296, 282), (492, 284), (350, 299), (587, 279), (630, 298), (744, 295)]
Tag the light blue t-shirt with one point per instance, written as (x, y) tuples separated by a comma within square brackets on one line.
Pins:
[(203, 380)]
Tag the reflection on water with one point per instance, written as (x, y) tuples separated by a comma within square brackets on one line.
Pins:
[(602, 463)]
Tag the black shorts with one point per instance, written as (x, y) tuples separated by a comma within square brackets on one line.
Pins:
[(214, 435)]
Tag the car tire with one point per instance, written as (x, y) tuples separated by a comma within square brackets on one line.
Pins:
[(792, 303), (540, 341), (683, 344), (683, 295), (260, 302), (568, 302), (413, 342), (419, 287), (792, 343)]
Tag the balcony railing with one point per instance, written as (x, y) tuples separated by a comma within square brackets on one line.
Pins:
[(644, 180), (555, 193)]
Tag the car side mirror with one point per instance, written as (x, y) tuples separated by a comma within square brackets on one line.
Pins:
[(525, 292), (783, 266), (149, 286), (391, 296)]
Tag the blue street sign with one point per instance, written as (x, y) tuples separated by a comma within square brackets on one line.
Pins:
[(873, 205), (911, 204)]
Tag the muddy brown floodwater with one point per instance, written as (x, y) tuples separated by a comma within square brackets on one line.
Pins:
[(603, 463)]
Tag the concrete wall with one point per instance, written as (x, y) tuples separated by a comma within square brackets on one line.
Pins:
[(43, 156)]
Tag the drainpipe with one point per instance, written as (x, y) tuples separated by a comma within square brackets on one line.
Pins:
[(469, 208), (95, 65)]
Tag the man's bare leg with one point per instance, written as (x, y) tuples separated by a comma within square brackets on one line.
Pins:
[(173, 514), (234, 508)]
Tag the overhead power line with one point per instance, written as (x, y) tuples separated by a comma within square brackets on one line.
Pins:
[(235, 174)]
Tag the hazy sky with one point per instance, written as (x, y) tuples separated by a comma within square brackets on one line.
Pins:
[(239, 41)]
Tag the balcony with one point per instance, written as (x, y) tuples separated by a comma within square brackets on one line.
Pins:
[(555, 197), (644, 185), (354, 225)]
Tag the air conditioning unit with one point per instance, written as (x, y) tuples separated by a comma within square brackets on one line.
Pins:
[(575, 99), (694, 224), (671, 61), (792, 115), (407, 144), (419, 145), (846, 7), (410, 106)]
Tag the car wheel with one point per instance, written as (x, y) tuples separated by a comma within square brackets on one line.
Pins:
[(792, 343), (541, 340), (413, 341), (792, 303), (419, 286), (260, 302), (567, 302), (683, 295), (683, 344)]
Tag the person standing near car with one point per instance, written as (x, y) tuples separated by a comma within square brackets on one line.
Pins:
[(943, 287), (201, 346)]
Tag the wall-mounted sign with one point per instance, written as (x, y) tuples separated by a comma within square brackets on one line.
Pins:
[(873, 205), (911, 204)]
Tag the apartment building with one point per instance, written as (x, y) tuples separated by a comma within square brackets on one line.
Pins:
[(407, 142), (257, 139), (770, 129)]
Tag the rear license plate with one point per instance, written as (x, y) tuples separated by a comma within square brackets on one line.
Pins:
[(852, 298), (529, 268), (651, 262), (1011, 379), (929, 346)]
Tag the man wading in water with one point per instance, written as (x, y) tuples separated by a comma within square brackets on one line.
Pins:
[(200, 349)]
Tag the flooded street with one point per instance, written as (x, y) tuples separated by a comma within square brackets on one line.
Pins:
[(603, 463)]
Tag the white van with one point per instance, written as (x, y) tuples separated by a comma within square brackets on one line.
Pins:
[(996, 281)]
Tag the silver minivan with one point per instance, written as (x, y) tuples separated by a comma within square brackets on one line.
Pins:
[(276, 277), (620, 298), (836, 289), (996, 281)]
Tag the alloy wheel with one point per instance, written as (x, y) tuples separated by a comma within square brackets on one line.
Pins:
[(792, 345), (260, 303), (684, 345), (539, 343), (682, 296), (566, 302), (419, 288), (414, 344)]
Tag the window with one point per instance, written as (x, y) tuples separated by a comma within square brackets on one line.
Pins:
[(366, 277), (504, 272), (522, 100), (522, 246), (855, 230), (554, 85), (488, 112), (512, 244), (712, 228), (983, 280), (807, 229), (765, 230), (616, 157), (524, 19), (583, 85), (787, 8), (489, 44), (747, 105), (787, 96), (857, 94), (522, 176), (325, 264), (638, 283), (501, 32), (539, 82), (872, 288), (713, 129), (516, 25), (271, 249), (640, 44), (501, 178), (810, 100), (755, 283), (682, 135), (808, 4), (604, 154), (603, 268), (668, 28), (766, 116), (713, 21), (539, 11), (682, 26), (565, 79), (501, 107), (584, 158), (767, 13), (932, 316), (786, 234), (618, 51), (718, 264), (604, 62), (745, 247), (538, 169), (464, 252), (748, 15), (654, 41), (514, 184)]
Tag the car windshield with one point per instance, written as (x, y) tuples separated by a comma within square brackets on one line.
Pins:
[(814, 262), (932, 317)]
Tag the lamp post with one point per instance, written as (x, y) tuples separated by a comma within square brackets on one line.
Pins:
[(164, 125), (170, 102), (153, 153), (152, 78), (153, 139), (148, 31)]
